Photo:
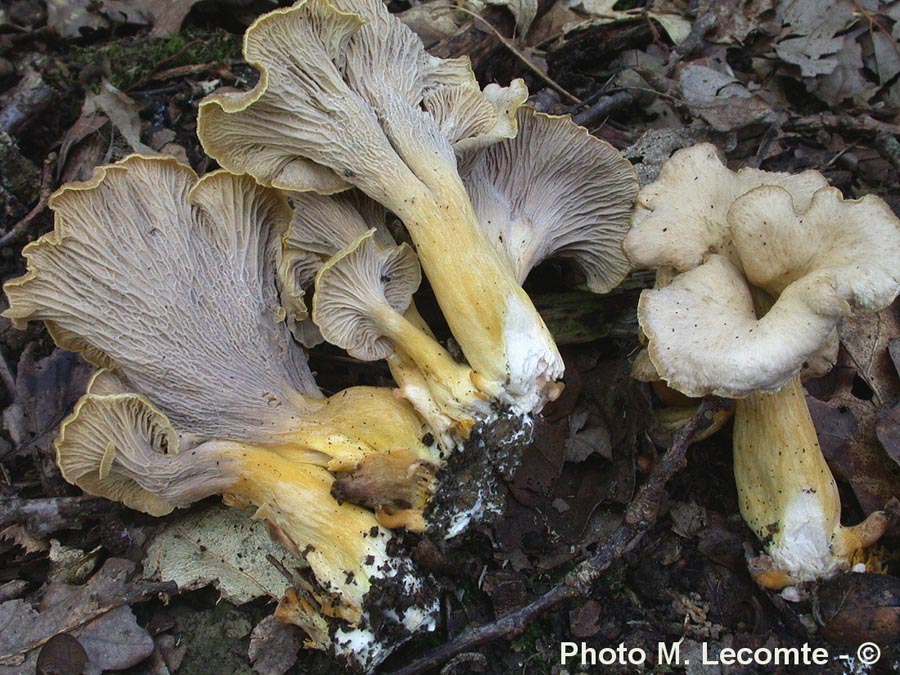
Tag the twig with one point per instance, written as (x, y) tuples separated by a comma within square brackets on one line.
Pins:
[(21, 227), (45, 516), (30, 97), (524, 59), (704, 24), (890, 148), (603, 108), (862, 124), (179, 71), (639, 517), (169, 59)]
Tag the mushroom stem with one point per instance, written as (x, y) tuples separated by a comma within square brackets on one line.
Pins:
[(353, 424), (501, 334), (295, 500), (449, 382), (787, 493)]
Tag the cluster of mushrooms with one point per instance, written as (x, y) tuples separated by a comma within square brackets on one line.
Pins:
[(192, 296)]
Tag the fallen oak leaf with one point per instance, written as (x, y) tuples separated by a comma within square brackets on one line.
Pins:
[(121, 110), (722, 101), (220, 547), (866, 338), (887, 429), (46, 391)]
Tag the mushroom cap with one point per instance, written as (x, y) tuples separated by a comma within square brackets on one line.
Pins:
[(297, 271), (358, 284), (818, 265), (554, 190), (681, 217), (296, 274), (340, 101), (855, 241), (705, 338), (169, 281), (123, 448), (325, 225), (105, 382), (320, 228)]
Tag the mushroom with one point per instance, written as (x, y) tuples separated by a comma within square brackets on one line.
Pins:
[(362, 297), (122, 447), (348, 96), (145, 264), (763, 290), (323, 227), (554, 191), (169, 282)]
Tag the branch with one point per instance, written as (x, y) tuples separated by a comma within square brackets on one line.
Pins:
[(43, 517), (20, 228), (639, 517)]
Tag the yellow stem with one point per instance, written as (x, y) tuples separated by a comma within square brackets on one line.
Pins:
[(295, 500), (786, 491), (501, 334)]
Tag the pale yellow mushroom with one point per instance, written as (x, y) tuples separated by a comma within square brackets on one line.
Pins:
[(768, 277), (321, 228), (362, 296), (554, 191), (169, 281), (121, 447), (348, 96)]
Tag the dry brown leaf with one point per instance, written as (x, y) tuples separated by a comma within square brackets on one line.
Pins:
[(721, 100), (222, 547), (19, 536), (84, 126), (846, 81), (667, 14), (123, 112), (166, 16), (736, 19), (866, 338), (524, 12), (113, 640), (846, 428), (274, 646), (853, 420), (46, 391), (70, 18), (887, 429), (810, 34)]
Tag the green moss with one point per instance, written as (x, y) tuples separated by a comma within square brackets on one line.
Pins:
[(132, 59)]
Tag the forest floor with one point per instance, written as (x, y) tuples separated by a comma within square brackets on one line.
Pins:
[(782, 85)]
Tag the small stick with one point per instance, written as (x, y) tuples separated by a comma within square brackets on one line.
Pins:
[(42, 517), (27, 101), (640, 515), (524, 59), (862, 124), (21, 227), (603, 108)]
